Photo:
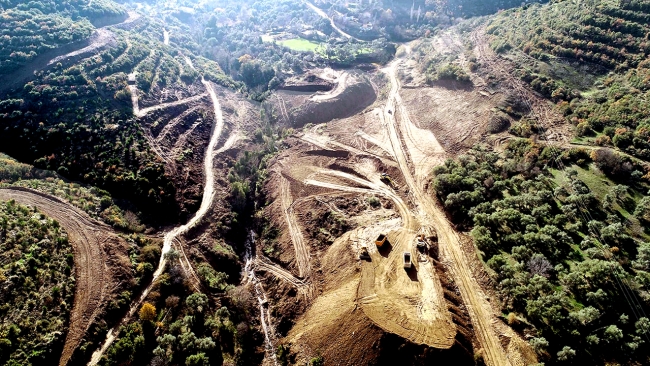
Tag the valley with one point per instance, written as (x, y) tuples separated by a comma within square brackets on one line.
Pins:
[(280, 183)]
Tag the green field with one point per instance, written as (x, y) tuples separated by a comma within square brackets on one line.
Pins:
[(301, 45), (296, 44)]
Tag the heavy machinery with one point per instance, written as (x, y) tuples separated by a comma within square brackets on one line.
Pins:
[(407, 260), (381, 240), (364, 253), (421, 242), (385, 178)]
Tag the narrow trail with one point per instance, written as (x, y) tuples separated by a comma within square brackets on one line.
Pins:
[(263, 264), (480, 311), (324, 15), (86, 237), (170, 237), (143, 112)]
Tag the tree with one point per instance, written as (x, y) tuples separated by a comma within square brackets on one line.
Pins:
[(566, 354), (199, 359), (619, 191), (613, 334), (642, 326), (147, 312), (539, 344), (642, 211), (539, 265), (197, 302)]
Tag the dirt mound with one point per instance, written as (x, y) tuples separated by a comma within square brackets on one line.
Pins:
[(352, 95), (309, 84), (96, 248)]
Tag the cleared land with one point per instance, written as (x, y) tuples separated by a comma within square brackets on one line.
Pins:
[(345, 158)]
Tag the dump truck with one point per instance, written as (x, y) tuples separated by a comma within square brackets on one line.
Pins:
[(381, 240), (407, 260)]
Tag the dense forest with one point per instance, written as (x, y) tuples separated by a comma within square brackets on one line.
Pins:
[(36, 285), (564, 235)]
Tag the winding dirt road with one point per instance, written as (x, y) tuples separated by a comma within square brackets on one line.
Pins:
[(86, 236), (171, 236)]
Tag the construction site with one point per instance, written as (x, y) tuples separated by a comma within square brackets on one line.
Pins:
[(401, 269), (367, 267)]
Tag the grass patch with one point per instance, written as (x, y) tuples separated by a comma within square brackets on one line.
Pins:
[(592, 177), (301, 45), (297, 44)]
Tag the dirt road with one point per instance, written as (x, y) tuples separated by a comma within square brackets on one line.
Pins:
[(480, 311), (324, 15), (171, 237), (86, 236), (302, 252)]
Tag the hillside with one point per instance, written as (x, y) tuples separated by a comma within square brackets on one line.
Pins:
[(265, 182)]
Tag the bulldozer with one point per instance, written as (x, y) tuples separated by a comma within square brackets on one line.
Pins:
[(385, 178), (364, 253)]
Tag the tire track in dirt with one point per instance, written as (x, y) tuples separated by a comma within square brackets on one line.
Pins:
[(263, 264), (143, 112), (86, 237), (480, 312), (301, 250)]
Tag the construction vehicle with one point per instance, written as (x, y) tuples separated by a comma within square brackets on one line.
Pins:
[(421, 242), (407, 260), (386, 179), (381, 240), (364, 253)]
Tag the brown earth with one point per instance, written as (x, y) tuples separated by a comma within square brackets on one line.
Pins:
[(352, 94), (439, 304), (101, 262)]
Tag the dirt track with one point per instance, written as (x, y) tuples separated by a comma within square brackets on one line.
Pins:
[(407, 303), (87, 237), (324, 15), (541, 110), (302, 253), (480, 311), (173, 235)]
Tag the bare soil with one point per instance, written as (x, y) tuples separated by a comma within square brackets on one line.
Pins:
[(355, 305)]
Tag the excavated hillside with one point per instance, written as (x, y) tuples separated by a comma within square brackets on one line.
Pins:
[(330, 201)]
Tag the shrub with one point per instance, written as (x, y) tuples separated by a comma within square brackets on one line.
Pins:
[(147, 312)]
